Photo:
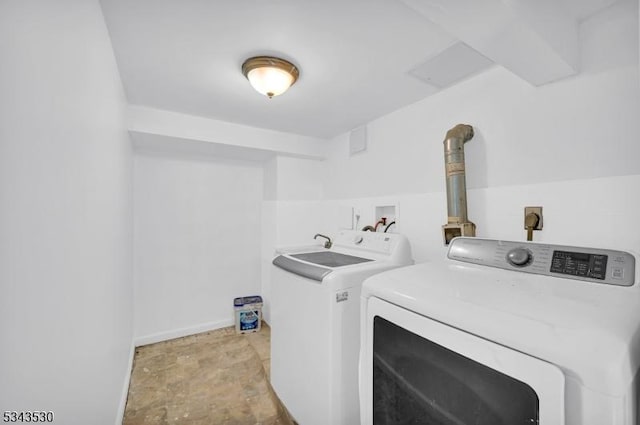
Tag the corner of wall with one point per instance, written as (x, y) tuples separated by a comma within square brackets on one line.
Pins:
[(125, 386)]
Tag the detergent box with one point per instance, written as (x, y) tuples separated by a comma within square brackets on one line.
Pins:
[(248, 313)]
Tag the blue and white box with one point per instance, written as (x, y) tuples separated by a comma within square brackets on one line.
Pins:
[(248, 312)]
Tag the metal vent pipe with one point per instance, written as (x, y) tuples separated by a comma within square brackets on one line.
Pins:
[(458, 223)]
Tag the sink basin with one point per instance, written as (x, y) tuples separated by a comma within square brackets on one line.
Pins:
[(330, 259)]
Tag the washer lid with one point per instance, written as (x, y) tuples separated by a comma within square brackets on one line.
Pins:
[(316, 265), (311, 271), (590, 330), (330, 258)]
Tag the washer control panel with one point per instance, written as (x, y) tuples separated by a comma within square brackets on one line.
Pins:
[(587, 264), (370, 241)]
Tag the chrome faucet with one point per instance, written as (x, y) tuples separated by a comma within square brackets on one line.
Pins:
[(328, 243)]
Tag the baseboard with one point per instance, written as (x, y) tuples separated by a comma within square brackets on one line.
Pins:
[(177, 333), (125, 389)]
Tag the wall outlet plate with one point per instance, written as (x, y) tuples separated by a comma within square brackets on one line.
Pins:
[(537, 210)]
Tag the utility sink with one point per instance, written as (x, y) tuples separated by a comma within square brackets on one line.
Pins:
[(330, 259)]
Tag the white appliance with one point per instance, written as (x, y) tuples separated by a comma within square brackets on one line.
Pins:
[(503, 333), (315, 323)]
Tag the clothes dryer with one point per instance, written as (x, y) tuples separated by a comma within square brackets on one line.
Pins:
[(503, 333)]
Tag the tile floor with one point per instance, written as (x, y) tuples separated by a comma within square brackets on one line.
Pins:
[(211, 378)]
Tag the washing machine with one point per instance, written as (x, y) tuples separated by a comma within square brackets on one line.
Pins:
[(503, 333), (315, 323)]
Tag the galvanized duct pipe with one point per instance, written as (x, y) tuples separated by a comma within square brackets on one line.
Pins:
[(458, 224)]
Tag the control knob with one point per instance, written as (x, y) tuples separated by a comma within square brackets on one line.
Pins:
[(519, 257)]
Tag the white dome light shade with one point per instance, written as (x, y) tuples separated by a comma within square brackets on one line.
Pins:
[(270, 76), (270, 81)]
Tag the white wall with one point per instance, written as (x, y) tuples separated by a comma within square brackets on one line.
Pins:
[(65, 214), (224, 135), (581, 127), (197, 232), (571, 147), (292, 210), (294, 190), (584, 212)]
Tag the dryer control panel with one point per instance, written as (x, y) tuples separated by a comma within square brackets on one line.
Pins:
[(588, 264)]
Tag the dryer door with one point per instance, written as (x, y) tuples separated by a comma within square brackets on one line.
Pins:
[(416, 370)]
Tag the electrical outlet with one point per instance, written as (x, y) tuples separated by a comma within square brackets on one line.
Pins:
[(536, 210), (356, 218)]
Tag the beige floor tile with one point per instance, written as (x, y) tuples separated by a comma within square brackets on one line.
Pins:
[(216, 377)]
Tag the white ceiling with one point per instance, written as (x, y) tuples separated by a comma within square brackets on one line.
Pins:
[(354, 57)]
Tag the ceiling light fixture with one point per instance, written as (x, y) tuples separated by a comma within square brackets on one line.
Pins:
[(270, 76)]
